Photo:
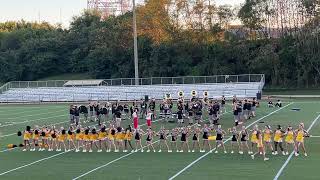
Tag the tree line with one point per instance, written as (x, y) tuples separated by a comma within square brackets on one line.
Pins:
[(175, 38)]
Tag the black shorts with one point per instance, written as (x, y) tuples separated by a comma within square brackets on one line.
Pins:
[(205, 137), (234, 139), (243, 139), (183, 139), (173, 139), (194, 138)]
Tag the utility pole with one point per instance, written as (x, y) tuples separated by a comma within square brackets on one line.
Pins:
[(136, 63)]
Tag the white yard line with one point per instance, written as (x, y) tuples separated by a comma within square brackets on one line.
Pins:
[(30, 115), (22, 122), (16, 111), (203, 156), (291, 155)]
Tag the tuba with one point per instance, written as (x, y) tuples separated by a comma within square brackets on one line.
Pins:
[(205, 93), (194, 93), (180, 94)]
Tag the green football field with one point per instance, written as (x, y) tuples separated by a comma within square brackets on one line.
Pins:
[(15, 164)]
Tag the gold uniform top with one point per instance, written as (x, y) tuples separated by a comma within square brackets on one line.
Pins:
[(94, 137), (254, 138), (71, 137), (102, 135), (36, 136), (289, 137), (267, 136), (86, 137), (62, 137), (128, 136), (278, 136), (300, 136), (27, 135)]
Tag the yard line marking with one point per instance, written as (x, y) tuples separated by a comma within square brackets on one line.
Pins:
[(20, 112), (22, 122), (291, 155), (43, 159), (20, 167), (201, 157), (32, 114), (314, 136)]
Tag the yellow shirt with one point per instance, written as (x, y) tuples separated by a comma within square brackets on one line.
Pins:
[(267, 136), (62, 137), (254, 138), (289, 137), (27, 135), (102, 135), (278, 136), (300, 136)]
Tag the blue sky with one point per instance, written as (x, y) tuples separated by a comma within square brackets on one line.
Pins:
[(49, 10)]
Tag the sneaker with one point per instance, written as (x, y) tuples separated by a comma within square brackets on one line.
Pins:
[(283, 153), (132, 150), (100, 150), (136, 150), (32, 149), (24, 150), (189, 151), (287, 153), (84, 151), (90, 150), (141, 150), (192, 151), (77, 150), (305, 154), (225, 152), (252, 156), (216, 152), (177, 151), (117, 150), (181, 151), (266, 159), (260, 153), (58, 150), (240, 152), (231, 152), (154, 150), (275, 153), (148, 150), (170, 151), (296, 154), (159, 150)]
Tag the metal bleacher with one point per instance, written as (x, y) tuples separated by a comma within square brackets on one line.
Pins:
[(242, 86)]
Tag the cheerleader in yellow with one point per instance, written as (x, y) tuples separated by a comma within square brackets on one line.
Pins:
[(289, 139), (111, 136), (86, 140), (278, 139), (254, 139), (27, 135), (93, 139), (260, 146), (301, 134), (70, 139), (127, 139), (79, 139), (119, 139), (61, 140), (35, 138), (102, 137), (267, 134)]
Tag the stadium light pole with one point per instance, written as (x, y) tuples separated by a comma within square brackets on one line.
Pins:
[(136, 62)]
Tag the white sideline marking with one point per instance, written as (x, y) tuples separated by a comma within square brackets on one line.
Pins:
[(10, 118), (40, 160), (291, 155), (31, 120), (22, 112), (201, 157)]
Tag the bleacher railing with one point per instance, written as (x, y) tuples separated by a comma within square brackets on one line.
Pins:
[(144, 81)]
